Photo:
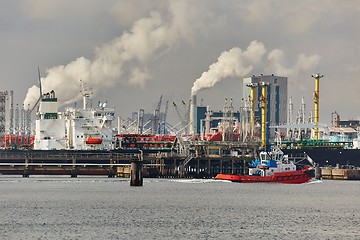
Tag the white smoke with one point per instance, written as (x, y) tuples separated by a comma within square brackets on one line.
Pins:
[(302, 64), (232, 63), (238, 63), (123, 58), (33, 95)]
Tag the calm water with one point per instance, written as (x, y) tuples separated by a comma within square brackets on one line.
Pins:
[(102, 208)]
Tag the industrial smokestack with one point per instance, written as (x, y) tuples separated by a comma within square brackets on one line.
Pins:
[(207, 120), (193, 114)]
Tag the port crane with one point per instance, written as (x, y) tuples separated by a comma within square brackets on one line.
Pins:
[(181, 117)]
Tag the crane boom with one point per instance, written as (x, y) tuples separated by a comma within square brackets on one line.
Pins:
[(40, 87)]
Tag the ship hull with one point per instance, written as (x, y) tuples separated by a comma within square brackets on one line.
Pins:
[(293, 177), (331, 157)]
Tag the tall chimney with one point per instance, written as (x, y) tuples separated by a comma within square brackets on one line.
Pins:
[(193, 113)]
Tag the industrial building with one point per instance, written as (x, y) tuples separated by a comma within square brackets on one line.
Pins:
[(217, 116), (202, 119)]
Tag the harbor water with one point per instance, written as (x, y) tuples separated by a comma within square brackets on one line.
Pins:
[(109, 208)]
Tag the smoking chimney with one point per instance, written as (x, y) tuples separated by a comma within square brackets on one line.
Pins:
[(193, 113)]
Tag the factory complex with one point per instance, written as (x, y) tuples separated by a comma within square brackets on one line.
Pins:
[(204, 143)]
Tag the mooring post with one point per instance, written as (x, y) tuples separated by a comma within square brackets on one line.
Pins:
[(111, 170), (136, 171), (26, 168), (244, 167), (73, 172), (317, 172)]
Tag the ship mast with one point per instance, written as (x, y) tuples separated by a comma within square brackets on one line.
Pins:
[(86, 94)]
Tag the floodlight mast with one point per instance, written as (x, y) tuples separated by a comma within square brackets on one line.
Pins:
[(263, 102), (252, 87), (317, 77)]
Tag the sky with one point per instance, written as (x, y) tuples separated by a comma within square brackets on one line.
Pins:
[(132, 52)]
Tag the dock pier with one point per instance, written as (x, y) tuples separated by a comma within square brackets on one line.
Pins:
[(154, 164), (158, 163)]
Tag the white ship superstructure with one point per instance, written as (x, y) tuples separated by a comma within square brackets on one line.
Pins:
[(84, 128)]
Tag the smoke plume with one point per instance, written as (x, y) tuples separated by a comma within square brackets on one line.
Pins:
[(125, 57), (232, 63), (238, 63), (303, 64)]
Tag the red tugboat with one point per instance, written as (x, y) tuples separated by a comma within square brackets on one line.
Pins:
[(272, 167)]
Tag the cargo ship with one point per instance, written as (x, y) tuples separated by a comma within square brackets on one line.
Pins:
[(327, 152), (273, 167), (85, 128), (330, 157)]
